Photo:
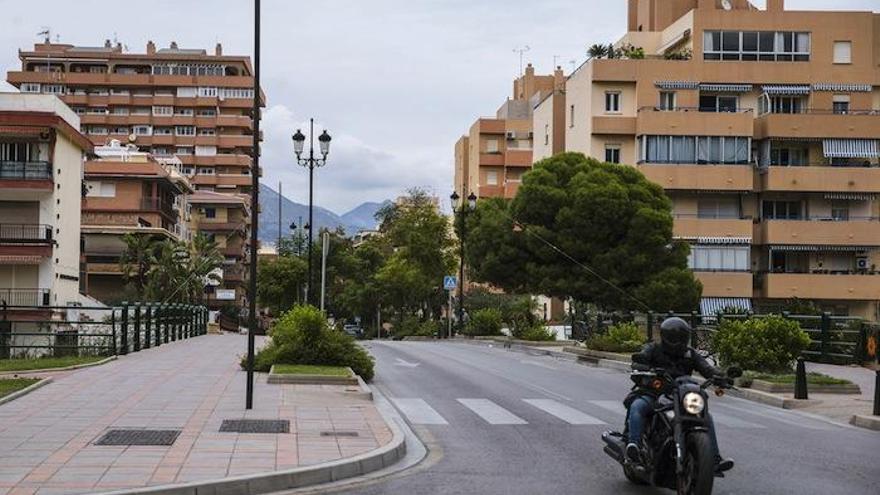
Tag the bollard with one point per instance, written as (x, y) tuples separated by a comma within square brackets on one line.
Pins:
[(826, 335), (800, 380), (123, 330), (877, 394), (148, 325)]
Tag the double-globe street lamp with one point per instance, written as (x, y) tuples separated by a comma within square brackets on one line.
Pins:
[(311, 162), (462, 209)]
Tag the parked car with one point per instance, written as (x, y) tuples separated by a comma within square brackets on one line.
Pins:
[(354, 330)]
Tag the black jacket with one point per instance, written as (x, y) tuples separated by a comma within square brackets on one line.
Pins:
[(652, 355)]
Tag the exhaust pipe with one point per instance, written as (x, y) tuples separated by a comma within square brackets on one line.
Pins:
[(615, 445)]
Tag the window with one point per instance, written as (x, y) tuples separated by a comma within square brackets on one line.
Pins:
[(786, 104), (186, 92), (236, 93), (612, 153), (719, 258), (30, 87), (788, 157), (140, 111), (210, 212), (721, 207), (207, 131), (612, 101), (20, 152), (160, 151), (186, 112), (119, 111), (840, 105), (491, 178), (185, 130), (99, 189), (765, 46), (571, 116), (98, 130), (840, 209), (143, 130), (205, 171), (163, 110), (206, 150), (183, 150), (53, 89), (206, 92), (667, 100), (546, 134), (119, 130), (162, 131), (695, 149), (781, 210), (843, 52), (718, 103), (491, 146), (207, 112)]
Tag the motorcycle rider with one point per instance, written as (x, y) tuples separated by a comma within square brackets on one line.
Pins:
[(674, 355)]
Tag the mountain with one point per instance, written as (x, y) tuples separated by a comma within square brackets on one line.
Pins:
[(361, 217)]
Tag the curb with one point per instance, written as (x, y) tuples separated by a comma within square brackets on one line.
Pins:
[(863, 421), (14, 395), (769, 399), (53, 370), (301, 477)]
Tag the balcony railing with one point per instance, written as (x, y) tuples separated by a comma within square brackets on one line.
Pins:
[(826, 111), (694, 109), (25, 233), (16, 170), (24, 297), (154, 204)]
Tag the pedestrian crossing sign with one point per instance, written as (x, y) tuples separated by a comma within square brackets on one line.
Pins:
[(450, 282)]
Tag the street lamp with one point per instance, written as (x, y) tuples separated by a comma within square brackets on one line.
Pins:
[(311, 163), (463, 209)]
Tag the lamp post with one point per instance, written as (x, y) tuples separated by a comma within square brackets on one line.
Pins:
[(255, 208), (464, 208), (311, 163)]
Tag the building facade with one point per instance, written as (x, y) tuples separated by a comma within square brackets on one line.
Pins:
[(172, 102), (763, 128), (41, 163)]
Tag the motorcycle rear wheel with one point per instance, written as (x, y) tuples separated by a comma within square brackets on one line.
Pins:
[(632, 476), (699, 466)]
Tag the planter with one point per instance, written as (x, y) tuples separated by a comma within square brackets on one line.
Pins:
[(295, 379), (788, 388)]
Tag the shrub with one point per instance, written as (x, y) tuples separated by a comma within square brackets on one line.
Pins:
[(302, 336), (769, 344), (411, 325), (486, 321), (623, 337), (537, 333)]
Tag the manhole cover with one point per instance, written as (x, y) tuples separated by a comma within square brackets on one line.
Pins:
[(255, 426), (339, 434), (139, 437)]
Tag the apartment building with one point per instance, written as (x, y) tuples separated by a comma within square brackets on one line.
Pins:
[(170, 102), (224, 218), (763, 128), (491, 158), (41, 157), (127, 192)]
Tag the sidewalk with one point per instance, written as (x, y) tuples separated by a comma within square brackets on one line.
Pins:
[(47, 437), (842, 407)]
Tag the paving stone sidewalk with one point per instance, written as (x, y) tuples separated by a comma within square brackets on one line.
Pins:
[(47, 437)]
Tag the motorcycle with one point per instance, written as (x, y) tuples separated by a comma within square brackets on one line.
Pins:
[(676, 447)]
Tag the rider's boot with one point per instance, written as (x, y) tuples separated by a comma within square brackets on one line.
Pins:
[(722, 465), (633, 454)]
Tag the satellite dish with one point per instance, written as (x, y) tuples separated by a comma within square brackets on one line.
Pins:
[(132, 138), (726, 4)]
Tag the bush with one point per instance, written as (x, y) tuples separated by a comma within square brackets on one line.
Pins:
[(302, 336), (412, 326), (769, 344), (623, 337), (486, 321), (537, 333)]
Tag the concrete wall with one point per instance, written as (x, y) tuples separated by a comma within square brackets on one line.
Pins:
[(68, 164)]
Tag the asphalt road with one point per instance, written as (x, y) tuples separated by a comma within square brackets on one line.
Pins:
[(502, 422)]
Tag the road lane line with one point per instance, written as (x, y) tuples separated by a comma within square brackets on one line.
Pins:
[(615, 406), (492, 412), (419, 412), (563, 412)]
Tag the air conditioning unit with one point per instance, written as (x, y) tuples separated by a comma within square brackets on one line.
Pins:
[(531, 134), (511, 135), (862, 263)]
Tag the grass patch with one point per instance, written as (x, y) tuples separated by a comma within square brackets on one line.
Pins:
[(309, 369), (788, 379), (10, 385), (46, 362)]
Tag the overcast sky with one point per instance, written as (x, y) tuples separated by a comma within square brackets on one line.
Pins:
[(395, 82)]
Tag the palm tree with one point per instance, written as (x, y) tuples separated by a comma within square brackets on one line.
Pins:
[(597, 51), (169, 270), (136, 261), (203, 261)]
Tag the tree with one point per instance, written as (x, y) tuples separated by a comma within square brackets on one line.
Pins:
[(280, 282), (614, 224), (597, 51), (136, 260)]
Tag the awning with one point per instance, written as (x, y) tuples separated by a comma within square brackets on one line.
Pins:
[(853, 196), (20, 260), (851, 148), (819, 248), (711, 306), (726, 88), (724, 240), (677, 84), (786, 89), (850, 88)]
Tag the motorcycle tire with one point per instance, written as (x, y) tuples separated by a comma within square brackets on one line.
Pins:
[(699, 472), (633, 477)]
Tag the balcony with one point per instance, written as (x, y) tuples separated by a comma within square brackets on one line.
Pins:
[(223, 180), (694, 227), (234, 121), (700, 177), (614, 125), (816, 123), (25, 240), (690, 121), (518, 158), (492, 159), (207, 226), (823, 232), (159, 206), (234, 273), (25, 171), (725, 284), (821, 179), (820, 286), (25, 297), (234, 141)]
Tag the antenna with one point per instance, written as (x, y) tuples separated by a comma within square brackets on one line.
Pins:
[(522, 50), (46, 33), (555, 58)]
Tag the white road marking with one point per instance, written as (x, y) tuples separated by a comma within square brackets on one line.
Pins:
[(563, 412), (615, 406), (419, 412), (492, 412), (405, 364)]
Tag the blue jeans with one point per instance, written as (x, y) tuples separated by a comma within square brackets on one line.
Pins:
[(638, 413)]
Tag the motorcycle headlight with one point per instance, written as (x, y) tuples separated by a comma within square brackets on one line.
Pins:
[(693, 403)]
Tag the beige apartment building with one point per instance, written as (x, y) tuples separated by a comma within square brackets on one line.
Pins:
[(170, 102), (491, 158), (763, 126)]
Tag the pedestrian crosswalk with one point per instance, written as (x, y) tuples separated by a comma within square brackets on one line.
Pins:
[(527, 411)]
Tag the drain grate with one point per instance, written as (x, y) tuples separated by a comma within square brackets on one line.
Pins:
[(339, 434), (139, 437), (255, 426)]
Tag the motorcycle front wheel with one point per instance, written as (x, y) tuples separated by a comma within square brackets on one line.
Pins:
[(699, 466)]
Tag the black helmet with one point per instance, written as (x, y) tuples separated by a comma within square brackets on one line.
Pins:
[(675, 334)]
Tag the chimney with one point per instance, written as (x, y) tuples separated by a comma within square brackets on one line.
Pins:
[(151, 48), (558, 78), (218, 50), (775, 5), (107, 44), (174, 45)]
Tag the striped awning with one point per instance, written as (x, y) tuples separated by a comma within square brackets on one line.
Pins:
[(853, 196), (677, 84), (20, 260), (850, 148), (726, 88), (786, 89), (850, 88), (18, 130), (711, 306), (724, 240), (819, 248)]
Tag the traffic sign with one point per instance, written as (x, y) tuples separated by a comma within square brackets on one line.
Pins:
[(450, 282)]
